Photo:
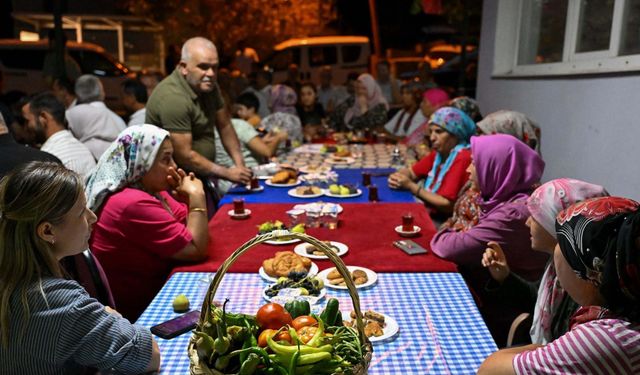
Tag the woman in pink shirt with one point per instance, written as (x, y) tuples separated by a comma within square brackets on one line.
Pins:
[(142, 230), (597, 261)]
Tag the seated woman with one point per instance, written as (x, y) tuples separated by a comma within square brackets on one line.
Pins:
[(444, 169), (467, 105), (310, 112), (505, 172), (410, 117), (432, 100), (596, 260), (142, 231), (546, 299), (50, 325), (369, 110), (284, 116), (466, 209)]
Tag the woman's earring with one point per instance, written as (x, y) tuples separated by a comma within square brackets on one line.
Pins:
[(53, 242)]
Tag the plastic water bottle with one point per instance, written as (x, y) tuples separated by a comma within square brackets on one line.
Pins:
[(396, 158)]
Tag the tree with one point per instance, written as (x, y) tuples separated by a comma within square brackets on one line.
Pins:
[(259, 23)]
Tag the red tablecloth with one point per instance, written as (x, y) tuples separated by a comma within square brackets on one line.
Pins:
[(367, 228)]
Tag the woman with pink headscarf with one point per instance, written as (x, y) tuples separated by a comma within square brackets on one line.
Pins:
[(549, 302), (432, 100), (370, 108)]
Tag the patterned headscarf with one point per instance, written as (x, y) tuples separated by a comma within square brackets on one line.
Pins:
[(462, 127), (514, 123), (455, 122), (468, 106), (283, 99), (507, 169), (374, 97), (125, 162), (548, 200), (597, 238)]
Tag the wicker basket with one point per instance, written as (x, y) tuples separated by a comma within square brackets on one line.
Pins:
[(198, 367)]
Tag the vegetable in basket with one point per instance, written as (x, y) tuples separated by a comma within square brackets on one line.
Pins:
[(297, 308)]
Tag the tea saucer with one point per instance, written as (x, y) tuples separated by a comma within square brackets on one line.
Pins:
[(414, 232), (244, 215)]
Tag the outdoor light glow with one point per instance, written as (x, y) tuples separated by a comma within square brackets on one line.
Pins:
[(28, 36)]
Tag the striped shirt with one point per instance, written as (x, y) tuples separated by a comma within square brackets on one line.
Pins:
[(73, 154), (604, 346), (68, 332)]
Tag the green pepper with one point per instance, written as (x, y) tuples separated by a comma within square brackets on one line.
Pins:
[(204, 345), (315, 340), (249, 342), (294, 361), (298, 308), (307, 359), (250, 365), (291, 349), (330, 313), (223, 341)]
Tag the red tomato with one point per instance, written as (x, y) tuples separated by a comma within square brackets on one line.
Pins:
[(283, 336), (272, 316), (262, 339), (303, 321)]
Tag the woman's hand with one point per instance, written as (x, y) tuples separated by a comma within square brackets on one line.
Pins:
[(400, 181), (363, 103), (185, 186), (494, 259)]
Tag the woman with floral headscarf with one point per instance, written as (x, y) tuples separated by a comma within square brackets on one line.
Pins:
[(284, 117), (370, 108), (597, 261), (514, 123), (549, 302), (142, 231), (444, 169)]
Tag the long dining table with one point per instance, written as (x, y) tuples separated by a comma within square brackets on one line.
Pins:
[(440, 328), (368, 229), (352, 176)]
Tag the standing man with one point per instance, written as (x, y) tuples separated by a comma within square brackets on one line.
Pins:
[(188, 104)]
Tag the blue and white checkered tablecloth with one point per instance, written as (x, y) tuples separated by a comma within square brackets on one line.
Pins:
[(441, 330)]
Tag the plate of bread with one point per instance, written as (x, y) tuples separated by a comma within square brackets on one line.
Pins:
[(283, 263), (284, 178)]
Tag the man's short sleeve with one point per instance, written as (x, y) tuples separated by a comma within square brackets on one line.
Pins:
[(170, 114)]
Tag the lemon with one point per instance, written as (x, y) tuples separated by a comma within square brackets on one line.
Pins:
[(180, 303), (304, 292)]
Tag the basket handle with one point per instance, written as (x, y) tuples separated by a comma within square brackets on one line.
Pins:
[(285, 234)]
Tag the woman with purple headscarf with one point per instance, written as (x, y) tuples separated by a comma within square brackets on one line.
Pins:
[(505, 171), (597, 261)]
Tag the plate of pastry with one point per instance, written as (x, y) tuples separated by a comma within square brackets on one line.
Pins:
[(284, 178), (285, 262), (362, 277), (306, 192), (377, 326), (310, 251)]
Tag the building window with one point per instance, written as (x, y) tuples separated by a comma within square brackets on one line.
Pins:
[(559, 37)]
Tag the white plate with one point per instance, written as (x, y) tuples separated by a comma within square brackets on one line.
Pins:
[(329, 194), (390, 329), (302, 250), (340, 160), (293, 193), (371, 276), (287, 242), (268, 182), (312, 299), (246, 213), (317, 169), (319, 206), (416, 230), (313, 270), (256, 189)]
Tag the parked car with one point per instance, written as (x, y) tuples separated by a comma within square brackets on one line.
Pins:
[(21, 66), (344, 54), (438, 55)]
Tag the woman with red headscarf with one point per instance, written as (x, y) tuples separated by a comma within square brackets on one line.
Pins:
[(597, 261)]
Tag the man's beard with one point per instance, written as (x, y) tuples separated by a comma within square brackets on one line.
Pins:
[(38, 133)]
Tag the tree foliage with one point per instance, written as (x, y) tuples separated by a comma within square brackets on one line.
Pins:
[(259, 23)]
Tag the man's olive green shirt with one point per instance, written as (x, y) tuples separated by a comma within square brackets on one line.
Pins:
[(174, 106)]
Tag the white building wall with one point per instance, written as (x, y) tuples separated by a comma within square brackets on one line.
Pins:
[(590, 124)]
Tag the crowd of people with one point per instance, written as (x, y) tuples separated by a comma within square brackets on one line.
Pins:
[(139, 194)]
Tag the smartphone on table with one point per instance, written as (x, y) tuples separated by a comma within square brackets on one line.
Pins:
[(409, 247), (177, 326)]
